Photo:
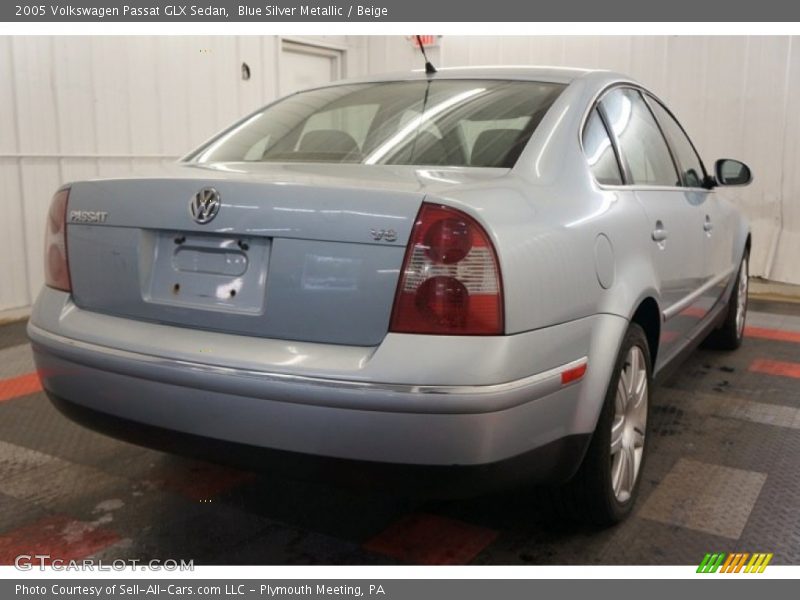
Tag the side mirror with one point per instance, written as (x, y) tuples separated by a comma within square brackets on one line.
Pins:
[(732, 172)]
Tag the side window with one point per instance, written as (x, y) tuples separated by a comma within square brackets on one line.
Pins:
[(691, 166), (599, 151), (640, 141)]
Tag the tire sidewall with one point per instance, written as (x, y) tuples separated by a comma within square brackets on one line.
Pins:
[(634, 336)]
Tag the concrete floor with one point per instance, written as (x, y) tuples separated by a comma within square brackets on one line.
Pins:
[(722, 476)]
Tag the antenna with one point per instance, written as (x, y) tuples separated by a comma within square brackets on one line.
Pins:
[(422, 114), (429, 68)]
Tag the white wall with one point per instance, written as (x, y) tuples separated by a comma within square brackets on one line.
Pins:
[(74, 107), (739, 97)]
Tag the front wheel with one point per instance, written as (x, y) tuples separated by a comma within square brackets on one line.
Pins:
[(605, 487), (730, 334)]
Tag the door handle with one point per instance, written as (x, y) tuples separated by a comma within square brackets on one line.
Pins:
[(708, 225), (659, 233)]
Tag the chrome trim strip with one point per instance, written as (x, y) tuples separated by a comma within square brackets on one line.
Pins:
[(687, 301), (544, 382)]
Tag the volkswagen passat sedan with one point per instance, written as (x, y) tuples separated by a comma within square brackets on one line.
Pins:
[(469, 277)]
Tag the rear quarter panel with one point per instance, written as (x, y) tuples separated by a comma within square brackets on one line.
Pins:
[(545, 219)]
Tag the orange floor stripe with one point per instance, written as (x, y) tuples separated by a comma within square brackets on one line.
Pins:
[(19, 386), (775, 367), (431, 540), (779, 335)]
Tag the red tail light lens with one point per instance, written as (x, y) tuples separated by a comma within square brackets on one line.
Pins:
[(56, 266), (450, 282)]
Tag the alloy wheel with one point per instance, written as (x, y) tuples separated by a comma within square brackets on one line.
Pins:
[(741, 299), (629, 425)]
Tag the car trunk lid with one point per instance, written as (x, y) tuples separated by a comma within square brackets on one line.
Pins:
[(304, 258)]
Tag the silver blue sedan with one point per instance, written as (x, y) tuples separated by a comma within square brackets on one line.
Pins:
[(454, 281)]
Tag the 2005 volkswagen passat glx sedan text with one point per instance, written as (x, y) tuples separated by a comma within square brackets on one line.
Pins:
[(465, 279)]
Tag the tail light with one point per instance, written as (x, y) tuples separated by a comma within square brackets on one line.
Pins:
[(56, 266), (450, 281)]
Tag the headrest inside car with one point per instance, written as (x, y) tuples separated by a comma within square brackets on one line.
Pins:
[(328, 141), (496, 148)]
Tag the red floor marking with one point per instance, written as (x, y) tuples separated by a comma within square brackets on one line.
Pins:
[(59, 536), (19, 386), (202, 481), (780, 335), (431, 540), (775, 367)]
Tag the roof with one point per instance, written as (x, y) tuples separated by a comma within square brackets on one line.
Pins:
[(528, 73)]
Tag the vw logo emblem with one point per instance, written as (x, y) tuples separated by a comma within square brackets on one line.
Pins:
[(204, 205)]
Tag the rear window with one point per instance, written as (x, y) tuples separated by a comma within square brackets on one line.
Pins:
[(439, 123)]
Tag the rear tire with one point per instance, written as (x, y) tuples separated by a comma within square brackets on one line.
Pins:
[(730, 334), (604, 489)]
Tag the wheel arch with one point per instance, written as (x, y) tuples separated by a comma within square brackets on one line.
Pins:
[(648, 316)]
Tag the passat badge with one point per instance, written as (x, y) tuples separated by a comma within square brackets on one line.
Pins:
[(88, 216), (204, 205)]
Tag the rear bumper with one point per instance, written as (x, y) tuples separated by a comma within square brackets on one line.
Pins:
[(552, 462), (337, 419), (147, 375)]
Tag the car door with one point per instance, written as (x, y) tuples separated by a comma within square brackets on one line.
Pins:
[(721, 252), (675, 213), (718, 214)]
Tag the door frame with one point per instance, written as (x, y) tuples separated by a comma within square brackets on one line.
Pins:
[(312, 47)]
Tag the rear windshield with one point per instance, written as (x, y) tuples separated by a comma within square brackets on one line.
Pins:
[(441, 123)]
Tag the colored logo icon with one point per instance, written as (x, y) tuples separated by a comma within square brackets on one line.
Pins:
[(737, 562)]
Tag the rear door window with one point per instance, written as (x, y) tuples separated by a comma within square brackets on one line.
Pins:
[(641, 144)]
